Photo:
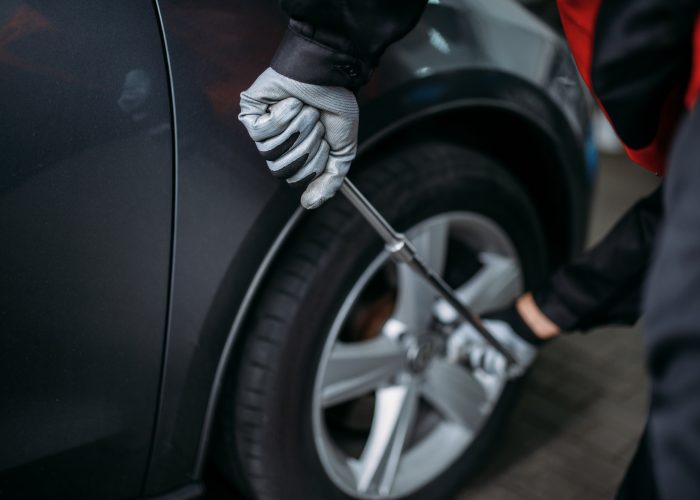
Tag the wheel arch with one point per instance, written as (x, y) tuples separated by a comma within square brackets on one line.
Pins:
[(478, 108), (560, 203)]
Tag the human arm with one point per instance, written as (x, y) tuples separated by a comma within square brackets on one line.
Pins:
[(339, 43), (302, 112)]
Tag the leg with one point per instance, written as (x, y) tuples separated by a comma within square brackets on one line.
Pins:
[(672, 332), (639, 481)]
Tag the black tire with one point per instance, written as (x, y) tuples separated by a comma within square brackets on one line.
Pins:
[(265, 433)]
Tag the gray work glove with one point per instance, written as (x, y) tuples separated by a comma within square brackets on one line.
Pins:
[(304, 132), (466, 344)]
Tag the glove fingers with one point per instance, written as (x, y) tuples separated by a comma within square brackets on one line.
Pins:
[(476, 358), (313, 168), (293, 160), (496, 364), (326, 185), (265, 122), (297, 130), (489, 360), (251, 106)]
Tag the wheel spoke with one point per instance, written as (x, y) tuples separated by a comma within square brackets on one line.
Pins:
[(455, 394), (394, 416), (496, 284), (414, 295), (355, 369)]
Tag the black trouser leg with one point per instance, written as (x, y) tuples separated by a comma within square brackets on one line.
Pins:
[(672, 326), (603, 286), (639, 481)]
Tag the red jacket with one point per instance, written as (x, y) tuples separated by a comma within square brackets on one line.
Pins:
[(637, 58)]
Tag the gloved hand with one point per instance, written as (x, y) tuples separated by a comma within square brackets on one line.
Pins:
[(304, 132), (467, 345)]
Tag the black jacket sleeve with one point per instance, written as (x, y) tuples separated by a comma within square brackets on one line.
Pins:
[(339, 42), (603, 286), (641, 63)]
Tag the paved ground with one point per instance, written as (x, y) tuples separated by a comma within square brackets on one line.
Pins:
[(583, 408)]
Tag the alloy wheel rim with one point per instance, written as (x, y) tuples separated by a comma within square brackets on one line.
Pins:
[(427, 409)]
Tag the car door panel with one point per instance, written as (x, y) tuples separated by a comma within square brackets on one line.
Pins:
[(86, 197)]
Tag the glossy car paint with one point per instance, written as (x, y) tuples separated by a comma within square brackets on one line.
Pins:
[(464, 56), (86, 193)]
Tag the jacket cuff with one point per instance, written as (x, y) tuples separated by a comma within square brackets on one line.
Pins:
[(305, 60), (556, 310)]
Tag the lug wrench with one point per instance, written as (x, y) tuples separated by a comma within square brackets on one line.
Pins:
[(402, 251)]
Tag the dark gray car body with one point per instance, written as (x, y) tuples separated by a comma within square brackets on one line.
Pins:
[(137, 219)]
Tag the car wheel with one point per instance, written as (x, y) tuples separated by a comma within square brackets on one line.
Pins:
[(345, 387)]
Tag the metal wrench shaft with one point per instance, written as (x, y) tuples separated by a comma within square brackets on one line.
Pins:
[(403, 251)]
